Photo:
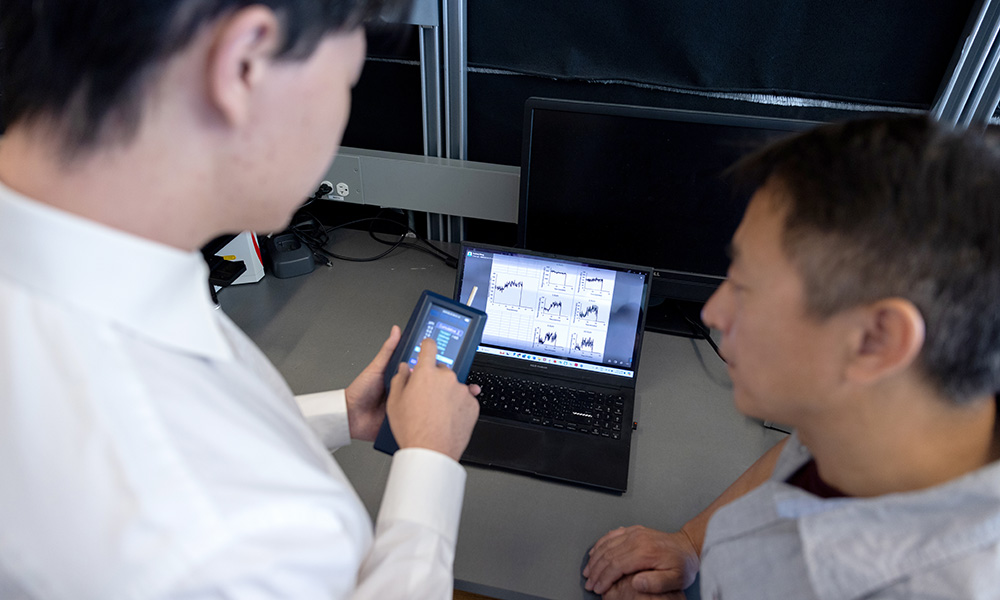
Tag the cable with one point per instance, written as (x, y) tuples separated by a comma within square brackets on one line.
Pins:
[(698, 329), (431, 249), (314, 235), (311, 232), (705, 333)]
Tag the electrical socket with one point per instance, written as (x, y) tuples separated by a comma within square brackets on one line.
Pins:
[(324, 190), (329, 191), (345, 177)]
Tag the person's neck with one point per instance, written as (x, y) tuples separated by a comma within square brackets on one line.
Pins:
[(95, 185), (901, 440)]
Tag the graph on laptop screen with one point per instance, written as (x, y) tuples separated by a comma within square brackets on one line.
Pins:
[(573, 314), (639, 185)]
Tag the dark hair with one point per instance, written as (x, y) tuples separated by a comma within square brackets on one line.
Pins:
[(898, 207), (83, 62)]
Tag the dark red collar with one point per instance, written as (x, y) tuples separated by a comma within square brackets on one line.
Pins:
[(808, 479)]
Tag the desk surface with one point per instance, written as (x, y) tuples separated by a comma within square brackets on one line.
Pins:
[(520, 537)]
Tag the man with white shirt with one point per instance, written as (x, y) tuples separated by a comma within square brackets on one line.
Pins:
[(147, 448), (861, 309)]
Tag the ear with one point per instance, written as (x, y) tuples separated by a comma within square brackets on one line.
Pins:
[(239, 58), (889, 337)]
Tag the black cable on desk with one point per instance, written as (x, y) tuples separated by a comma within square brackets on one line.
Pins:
[(703, 332), (431, 249), (311, 232)]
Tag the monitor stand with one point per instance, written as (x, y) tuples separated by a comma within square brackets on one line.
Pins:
[(671, 316)]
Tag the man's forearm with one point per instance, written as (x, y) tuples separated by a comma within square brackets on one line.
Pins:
[(752, 478)]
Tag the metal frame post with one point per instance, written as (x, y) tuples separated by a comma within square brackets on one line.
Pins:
[(971, 91)]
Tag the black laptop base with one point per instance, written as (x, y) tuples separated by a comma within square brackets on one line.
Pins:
[(583, 459), (524, 449)]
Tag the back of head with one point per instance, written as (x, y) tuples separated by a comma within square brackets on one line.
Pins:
[(82, 64), (899, 207)]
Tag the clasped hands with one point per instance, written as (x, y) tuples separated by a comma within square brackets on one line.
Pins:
[(641, 563)]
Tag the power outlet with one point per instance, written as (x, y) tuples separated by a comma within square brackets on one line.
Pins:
[(328, 191), (344, 177)]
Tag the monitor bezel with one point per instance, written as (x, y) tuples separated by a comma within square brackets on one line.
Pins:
[(682, 286)]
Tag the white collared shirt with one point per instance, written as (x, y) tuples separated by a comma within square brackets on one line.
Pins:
[(149, 450), (780, 541)]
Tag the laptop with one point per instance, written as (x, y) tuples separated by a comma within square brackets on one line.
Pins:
[(557, 363)]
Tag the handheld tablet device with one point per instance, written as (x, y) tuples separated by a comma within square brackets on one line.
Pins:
[(456, 329)]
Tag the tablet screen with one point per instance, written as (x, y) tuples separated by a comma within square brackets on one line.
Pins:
[(447, 328)]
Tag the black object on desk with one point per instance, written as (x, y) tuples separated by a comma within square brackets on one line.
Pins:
[(221, 272), (455, 328), (288, 256)]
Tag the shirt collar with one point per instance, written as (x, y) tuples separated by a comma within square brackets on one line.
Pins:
[(855, 546), (861, 545), (148, 288)]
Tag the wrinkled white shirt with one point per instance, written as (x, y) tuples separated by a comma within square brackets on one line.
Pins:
[(780, 541), (149, 450)]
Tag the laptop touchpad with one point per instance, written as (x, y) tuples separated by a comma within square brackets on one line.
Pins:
[(504, 444)]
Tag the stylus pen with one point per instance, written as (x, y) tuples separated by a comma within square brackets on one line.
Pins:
[(472, 295)]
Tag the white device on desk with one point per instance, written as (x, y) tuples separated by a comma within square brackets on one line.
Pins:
[(244, 247), (557, 363)]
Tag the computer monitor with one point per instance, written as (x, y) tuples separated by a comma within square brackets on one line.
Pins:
[(639, 185)]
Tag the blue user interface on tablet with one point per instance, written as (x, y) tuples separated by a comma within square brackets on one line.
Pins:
[(447, 328)]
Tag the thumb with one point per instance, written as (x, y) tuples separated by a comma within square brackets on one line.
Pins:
[(381, 360), (399, 380), (656, 582)]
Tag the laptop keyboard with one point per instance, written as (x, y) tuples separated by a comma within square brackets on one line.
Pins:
[(556, 406)]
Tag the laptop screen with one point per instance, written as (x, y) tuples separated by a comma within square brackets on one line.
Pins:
[(580, 314)]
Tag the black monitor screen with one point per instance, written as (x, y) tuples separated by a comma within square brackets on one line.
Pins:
[(638, 185)]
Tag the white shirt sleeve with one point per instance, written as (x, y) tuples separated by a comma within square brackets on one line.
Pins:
[(326, 413), (413, 554), (417, 527), (304, 554)]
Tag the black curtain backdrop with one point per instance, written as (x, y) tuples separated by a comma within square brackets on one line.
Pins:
[(892, 51), (840, 57)]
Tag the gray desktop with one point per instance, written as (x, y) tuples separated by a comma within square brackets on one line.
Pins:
[(520, 537)]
